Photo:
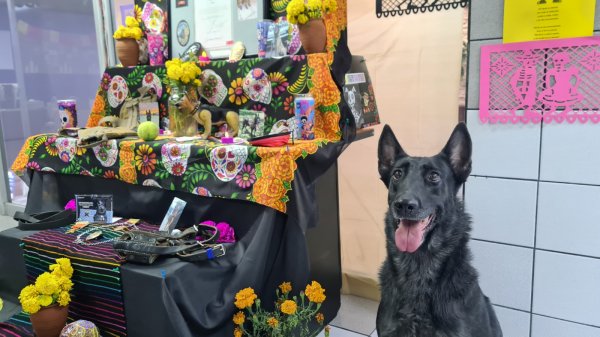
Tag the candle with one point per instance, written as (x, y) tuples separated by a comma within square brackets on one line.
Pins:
[(227, 139)]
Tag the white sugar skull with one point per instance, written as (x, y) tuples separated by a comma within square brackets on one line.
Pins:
[(257, 86), (107, 153), (227, 161), (175, 157), (117, 91), (212, 88)]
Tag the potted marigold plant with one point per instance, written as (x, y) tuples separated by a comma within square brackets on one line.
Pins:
[(291, 314), (47, 300), (308, 15), (183, 81), (127, 37)]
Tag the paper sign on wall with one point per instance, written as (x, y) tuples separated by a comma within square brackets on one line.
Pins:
[(529, 20)]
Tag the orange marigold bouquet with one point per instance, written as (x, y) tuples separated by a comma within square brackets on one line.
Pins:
[(290, 314)]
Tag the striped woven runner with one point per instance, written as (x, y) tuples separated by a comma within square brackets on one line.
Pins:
[(97, 293)]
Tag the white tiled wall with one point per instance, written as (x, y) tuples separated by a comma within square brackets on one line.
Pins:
[(534, 195)]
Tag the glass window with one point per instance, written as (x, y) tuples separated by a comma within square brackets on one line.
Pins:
[(53, 55)]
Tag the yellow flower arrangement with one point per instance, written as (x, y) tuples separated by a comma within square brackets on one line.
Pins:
[(290, 317), (49, 288), (131, 30), (183, 72), (301, 11), (1, 304)]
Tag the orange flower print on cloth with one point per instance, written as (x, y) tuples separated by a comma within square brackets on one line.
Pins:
[(236, 92), (145, 159), (22, 159), (127, 171), (323, 87), (97, 112)]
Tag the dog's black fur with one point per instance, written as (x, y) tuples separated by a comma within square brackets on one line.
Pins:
[(433, 291)]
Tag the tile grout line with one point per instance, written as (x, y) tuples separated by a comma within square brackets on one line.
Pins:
[(345, 329), (537, 203), (539, 249), (534, 180)]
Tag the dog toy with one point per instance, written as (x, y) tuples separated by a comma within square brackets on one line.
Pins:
[(148, 131)]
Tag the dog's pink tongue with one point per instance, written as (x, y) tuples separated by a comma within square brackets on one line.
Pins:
[(410, 236)]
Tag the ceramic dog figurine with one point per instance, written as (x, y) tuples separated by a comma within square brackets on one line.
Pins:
[(208, 115)]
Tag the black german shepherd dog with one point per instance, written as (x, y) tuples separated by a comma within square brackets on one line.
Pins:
[(428, 286)]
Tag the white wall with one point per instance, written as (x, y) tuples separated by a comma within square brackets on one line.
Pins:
[(414, 62), (534, 196)]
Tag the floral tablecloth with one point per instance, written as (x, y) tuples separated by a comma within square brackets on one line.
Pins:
[(258, 174)]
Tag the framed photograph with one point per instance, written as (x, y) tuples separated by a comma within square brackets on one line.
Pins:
[(173, 214), (149, 113), (97, 208), (252, 124), (359, 94)]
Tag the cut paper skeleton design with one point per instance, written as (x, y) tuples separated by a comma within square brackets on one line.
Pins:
[(523, 83), (562, 83)]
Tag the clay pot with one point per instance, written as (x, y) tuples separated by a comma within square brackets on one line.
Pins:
[(49, 321), (128, 52), (313, 36)]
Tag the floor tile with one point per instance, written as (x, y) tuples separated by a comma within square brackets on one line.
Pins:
[(374, 334), (356, 314), (339, 332), (10, 309)]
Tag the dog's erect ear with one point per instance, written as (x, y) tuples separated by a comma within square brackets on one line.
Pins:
[(458, 150), (388, 152)]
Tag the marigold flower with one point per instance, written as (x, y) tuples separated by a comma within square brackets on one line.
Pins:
[(239, 318), (64, 298), (289, 307), (245, 298), (237, 332), (315, 292), (273, 322), (285, 287), (320, 318), (46, 284)]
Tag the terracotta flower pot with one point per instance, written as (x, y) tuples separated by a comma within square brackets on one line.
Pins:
[(313, 36), (49, 321), (128, 52)]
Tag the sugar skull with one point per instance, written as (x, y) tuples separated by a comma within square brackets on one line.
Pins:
[(257, 86), (212, 88)]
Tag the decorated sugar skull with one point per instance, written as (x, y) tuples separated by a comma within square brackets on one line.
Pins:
[(107, 153), (117, 91), (175, 157), (80, 328), (561, 59), (153, 17), (212, 88), (202, 191), (151, 80), (152, 183), (227, 161), (257, 86), (67, 148)]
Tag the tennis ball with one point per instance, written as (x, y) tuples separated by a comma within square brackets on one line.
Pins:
[(147, 131)]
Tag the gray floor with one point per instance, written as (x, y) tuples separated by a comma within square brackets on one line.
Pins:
[(356, 318)]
